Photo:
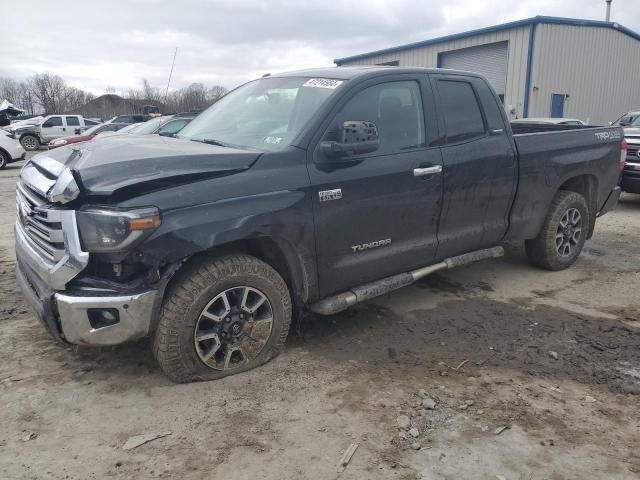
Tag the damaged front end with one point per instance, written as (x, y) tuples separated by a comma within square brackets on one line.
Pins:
[(78, 266)]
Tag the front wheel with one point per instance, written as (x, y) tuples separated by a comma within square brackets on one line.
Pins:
[(224, 316), (563, 233), (4, 159), (30, 143)]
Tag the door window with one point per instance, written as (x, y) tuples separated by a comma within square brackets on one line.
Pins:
[(462, 114), (53, 122), (73, 122), (395, 108)]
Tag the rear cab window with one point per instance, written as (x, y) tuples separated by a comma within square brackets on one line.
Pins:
[(72, 121), (461, 110)]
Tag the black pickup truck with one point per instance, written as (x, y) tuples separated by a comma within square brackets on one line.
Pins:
[(316, 189)]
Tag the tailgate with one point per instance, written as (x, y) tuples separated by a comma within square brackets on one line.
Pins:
[(547, 160)]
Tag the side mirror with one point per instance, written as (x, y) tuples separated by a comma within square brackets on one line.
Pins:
[(357, 137)]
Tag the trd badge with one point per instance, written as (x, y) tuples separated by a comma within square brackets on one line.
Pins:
[(326, 195)]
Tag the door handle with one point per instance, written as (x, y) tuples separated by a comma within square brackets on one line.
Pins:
[(419, 172)]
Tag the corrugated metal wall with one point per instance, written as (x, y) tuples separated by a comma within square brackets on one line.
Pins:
[(518, 39), (599, 68)]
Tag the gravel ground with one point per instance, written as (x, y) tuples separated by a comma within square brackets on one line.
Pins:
[(553, 357)]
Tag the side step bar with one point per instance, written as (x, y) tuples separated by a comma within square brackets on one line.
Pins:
[(341, 301)]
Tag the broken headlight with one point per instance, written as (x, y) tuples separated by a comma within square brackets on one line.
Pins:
[(110, 230)]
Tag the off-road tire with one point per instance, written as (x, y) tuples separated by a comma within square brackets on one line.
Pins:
[(31, 143), (542, 250), (4, 159), (173, 339)]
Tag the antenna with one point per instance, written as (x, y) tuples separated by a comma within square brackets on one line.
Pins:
[(166, 93), (608, 18)]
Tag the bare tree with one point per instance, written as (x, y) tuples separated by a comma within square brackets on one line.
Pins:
[(50, 91)]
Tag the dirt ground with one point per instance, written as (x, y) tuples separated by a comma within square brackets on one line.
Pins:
[(553, 357)]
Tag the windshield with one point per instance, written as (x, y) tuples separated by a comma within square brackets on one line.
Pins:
[(92, 130), (130, 128), (265, 114), (149, 126), (629, 120)]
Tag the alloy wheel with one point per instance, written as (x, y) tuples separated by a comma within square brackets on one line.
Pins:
[(569, 232), (233, 328)]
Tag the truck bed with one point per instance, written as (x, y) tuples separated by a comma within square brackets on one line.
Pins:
[(549, 156)]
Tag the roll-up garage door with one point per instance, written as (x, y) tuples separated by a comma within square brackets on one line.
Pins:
[(489, 60)]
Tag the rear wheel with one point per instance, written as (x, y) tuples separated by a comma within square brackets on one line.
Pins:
[(563, 233), (222, 317), (30, 142)]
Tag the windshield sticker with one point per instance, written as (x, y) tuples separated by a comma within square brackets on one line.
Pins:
[(322, 83), (272, 140)]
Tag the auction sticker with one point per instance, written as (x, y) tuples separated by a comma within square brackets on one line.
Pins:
[(322, 83)]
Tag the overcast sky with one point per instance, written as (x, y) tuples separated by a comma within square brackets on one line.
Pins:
[(95, 44)]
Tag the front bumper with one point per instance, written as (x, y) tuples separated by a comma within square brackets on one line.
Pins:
[(630, 181), (67, 318)]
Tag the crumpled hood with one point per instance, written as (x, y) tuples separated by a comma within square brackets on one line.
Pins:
[(147, 162)]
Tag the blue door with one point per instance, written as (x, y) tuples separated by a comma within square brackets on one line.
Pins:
[(557, 105)]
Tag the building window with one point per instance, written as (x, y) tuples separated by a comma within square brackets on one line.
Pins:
[(394, 63)]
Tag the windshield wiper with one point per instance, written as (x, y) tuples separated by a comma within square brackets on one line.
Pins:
[(210, 141)]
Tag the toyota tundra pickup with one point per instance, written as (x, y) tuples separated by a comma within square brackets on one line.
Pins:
[(314, 189)]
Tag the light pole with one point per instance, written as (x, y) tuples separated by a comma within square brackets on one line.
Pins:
[(609, 10)]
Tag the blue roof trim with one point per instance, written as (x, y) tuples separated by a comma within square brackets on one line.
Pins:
[(496, 28)]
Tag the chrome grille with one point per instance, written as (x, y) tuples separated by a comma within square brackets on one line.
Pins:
[(632, 152), (41, 224)]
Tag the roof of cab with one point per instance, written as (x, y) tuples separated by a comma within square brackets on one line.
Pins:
[(348, 73)]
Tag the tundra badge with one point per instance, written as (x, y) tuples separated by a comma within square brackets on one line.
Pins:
[(326, 195), (367, 246)]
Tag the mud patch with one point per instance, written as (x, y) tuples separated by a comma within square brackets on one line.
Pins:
[(545, 341)]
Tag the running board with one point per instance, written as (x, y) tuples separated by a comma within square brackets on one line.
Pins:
[(342, 301)]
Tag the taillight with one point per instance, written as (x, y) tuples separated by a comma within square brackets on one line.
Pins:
[(623, 154)]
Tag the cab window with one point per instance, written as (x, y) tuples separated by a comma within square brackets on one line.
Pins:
[(53, 122), (395, 108)]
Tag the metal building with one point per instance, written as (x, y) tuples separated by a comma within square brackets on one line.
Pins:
[(540, 66)]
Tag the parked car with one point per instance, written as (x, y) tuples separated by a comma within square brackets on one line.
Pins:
[(51, 127), (87, 134), (316, 189), (10, 150), (5, 119), (629, 119), (630, 179), (129, 118), (166, 126), (550, 121)]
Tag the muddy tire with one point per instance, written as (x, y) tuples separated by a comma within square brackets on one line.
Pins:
[(30, 143), (563, 233), (221, 316), (4, 159)]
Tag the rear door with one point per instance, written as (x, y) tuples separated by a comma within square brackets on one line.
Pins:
[(479, 165), (73, 125), (52, 128), (375, 215)]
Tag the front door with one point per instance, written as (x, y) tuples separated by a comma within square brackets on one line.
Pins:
[(557, 105), (52, 128), (376, 214)]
